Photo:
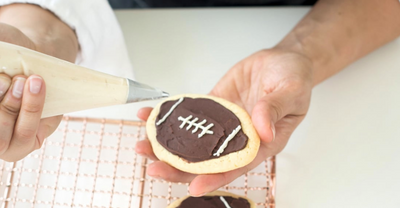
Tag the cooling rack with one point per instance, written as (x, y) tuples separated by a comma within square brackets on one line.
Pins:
[(91, 162)]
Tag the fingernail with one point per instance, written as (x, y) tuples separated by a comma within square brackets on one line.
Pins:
[(3, 87), (150, 172), (18, 87), (35, 84)]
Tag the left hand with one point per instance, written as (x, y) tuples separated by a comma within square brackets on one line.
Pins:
[(274, 86)]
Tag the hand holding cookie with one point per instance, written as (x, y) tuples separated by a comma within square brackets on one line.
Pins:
[(274, 87)]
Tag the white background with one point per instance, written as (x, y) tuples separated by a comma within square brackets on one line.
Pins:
[(346, 153)]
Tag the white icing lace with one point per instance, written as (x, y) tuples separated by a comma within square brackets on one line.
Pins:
[(170, 111), (205, 129)]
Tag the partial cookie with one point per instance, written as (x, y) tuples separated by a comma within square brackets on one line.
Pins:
[(217, 199), (202, 134)]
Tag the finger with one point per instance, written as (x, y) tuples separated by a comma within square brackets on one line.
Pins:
[(24, 137), (144, 113), (5, 82), (144, 148), (271, 108), (162, 170), (227, 87), (9, 110)]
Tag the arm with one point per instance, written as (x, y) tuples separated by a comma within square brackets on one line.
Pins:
[(46, 32), (22, 98), (274, 85), (338, 32)]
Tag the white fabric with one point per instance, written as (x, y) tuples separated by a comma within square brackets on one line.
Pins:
[(102, 46)]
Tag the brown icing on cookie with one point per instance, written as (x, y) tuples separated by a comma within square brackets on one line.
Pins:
[(213, 202), (176, 134)]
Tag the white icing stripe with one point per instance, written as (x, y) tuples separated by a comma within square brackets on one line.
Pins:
[(170, 111), (191, 123), (198, 125), (185, 120), (224, 201), (228, 139), (205, 129)]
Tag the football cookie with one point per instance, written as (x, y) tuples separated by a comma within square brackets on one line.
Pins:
[(217, 199), (202, 134)]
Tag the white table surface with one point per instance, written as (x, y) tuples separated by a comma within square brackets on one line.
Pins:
[(346, 153)]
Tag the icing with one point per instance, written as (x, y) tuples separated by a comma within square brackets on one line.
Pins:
[(229, 138), (224, 201), (205, 129), (176, 136), (170, 111), (217, 201)]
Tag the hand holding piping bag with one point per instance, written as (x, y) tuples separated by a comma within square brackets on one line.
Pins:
[(22, 98)]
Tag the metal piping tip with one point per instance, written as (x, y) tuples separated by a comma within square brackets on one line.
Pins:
[(165, 94), (141, 92)]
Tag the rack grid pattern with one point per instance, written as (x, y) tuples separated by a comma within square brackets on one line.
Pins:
[(91, 162)]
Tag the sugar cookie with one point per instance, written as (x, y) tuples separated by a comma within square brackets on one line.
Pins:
[(202, 134)]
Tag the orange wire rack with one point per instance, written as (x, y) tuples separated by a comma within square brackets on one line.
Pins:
[(92, 163)]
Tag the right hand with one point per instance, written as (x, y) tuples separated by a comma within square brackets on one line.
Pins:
[(21, 128), (22, 98), (21, 103)]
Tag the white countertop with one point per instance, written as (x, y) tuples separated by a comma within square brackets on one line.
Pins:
[(346, 153)]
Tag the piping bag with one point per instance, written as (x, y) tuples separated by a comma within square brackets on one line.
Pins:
[(70, 87)]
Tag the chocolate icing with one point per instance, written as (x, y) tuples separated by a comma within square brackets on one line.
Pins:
[(186, 144), (213, 202)]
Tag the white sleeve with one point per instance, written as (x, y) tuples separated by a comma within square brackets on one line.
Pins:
[(102, 45)]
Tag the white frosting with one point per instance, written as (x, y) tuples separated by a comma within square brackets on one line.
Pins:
[(190, 124), (228, 139), (185, 120), (205, 129), (169, 112), (224, 201)]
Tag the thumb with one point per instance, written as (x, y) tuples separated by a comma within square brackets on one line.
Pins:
[(268, 110)]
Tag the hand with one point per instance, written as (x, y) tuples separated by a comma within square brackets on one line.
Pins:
[(274, 86), (22, 98)]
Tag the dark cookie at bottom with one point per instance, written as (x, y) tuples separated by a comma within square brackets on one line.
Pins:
[(214, 202)]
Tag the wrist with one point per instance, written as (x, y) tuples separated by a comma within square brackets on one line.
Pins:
[(48, 33), (293, 45), (301, 41)]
